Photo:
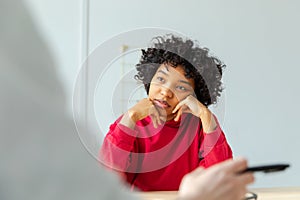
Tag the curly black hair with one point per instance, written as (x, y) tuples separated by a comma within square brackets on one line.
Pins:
[(206, 70)]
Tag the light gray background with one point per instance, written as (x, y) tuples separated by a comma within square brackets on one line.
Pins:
[(258, 41)]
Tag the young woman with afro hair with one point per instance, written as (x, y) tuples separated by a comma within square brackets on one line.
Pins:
[(172, 132)]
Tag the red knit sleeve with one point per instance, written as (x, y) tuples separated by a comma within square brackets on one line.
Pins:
[(117, 147), (214, 148)]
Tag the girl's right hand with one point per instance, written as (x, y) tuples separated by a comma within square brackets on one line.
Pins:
[(144, 108)]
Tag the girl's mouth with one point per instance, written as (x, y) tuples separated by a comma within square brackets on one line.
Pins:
[(161, 103)]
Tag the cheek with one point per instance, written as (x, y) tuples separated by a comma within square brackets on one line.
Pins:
[(153, 89), (179, 96)]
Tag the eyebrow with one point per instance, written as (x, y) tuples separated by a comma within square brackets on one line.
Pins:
[(165, 73), (162, 71), (182, 81)]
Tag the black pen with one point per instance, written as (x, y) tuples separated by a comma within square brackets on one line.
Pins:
[(266, 168)]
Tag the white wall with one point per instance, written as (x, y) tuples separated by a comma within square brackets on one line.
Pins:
[(258, 40), (60, 24)]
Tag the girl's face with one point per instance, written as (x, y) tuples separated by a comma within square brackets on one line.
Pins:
[(168, 87)]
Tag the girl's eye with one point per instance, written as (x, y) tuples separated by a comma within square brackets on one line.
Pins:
[(160, 79), (181, 88)]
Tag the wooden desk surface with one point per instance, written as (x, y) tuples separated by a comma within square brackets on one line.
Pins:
[(289, 193)]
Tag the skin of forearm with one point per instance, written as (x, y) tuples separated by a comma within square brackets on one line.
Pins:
[(208, 121), (128, 119)]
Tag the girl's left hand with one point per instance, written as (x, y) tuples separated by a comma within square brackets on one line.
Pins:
[(189, 105)]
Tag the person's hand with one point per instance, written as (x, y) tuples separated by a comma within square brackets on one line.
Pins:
[(221, 181), (191, 105), (142, 109)]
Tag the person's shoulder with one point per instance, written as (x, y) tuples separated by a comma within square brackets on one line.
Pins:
[(116, 122)]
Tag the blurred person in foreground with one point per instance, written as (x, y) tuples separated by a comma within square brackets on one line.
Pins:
[(41, 154)]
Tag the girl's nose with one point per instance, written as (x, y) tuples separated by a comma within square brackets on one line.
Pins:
[(165, 91)]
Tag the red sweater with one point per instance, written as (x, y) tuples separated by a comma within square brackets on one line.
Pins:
[(157, 159)]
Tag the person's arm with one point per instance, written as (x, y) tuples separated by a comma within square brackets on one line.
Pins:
[(208, 120), (214, 147), (221, 181), (117, 147)]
